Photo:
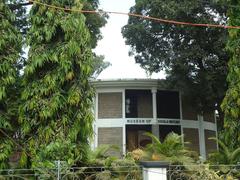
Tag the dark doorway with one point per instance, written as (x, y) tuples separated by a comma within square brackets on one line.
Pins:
[(168, 104), (135, 137), (164, 130), (138, 103)]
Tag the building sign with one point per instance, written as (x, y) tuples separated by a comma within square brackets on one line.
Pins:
[(139, 121), (151, 121), (168, 121)]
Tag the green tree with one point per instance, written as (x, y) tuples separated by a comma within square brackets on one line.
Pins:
[(10, 48), (193, 57), (227, 156), (231, 102), (94, 21), (99, 65), (20, 11), (55, 115)]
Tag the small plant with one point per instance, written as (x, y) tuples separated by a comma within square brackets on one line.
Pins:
[(227, 158), (106, 167), (171, 150), (226, 154), (136, 154)]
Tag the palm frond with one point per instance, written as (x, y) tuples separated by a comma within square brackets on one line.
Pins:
[(155, 140), (223, 148), (235, 155)]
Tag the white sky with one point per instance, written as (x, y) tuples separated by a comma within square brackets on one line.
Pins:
[(113, 47)]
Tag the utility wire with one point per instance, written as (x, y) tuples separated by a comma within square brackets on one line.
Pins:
[(137, 15)]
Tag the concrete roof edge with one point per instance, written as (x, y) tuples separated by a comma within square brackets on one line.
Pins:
[(158, 83)]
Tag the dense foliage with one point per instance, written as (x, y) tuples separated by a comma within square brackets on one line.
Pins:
[(185, 164), (231, 103), (194, 58), (94, 21), (10, 48), (170, 150), (113, 167), (226, 154), (57, 49), (55, 115)]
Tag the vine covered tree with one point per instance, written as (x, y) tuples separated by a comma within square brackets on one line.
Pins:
[(56, 115), (194, 58), (231, 102), (10, 48)]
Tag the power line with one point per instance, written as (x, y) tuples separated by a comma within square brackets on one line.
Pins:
[(137, 15)]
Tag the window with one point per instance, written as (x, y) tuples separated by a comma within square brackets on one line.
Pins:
[(168, 104), (138, 104), (109, 105)]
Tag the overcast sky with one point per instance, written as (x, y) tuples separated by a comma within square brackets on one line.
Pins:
[(113, 47)]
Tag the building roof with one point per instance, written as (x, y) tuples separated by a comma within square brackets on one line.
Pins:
[(129, 83)]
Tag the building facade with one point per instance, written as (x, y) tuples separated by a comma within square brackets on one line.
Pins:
[(126, 109)]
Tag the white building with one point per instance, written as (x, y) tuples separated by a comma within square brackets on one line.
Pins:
[(125, 109)]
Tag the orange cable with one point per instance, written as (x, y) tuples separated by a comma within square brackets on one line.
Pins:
[(138, 15)]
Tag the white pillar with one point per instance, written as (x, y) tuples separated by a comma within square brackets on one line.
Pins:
[(123, 104), (181, 116), (155, 126), (201, 137), (96, 107), (215, 120), (124, 139), (154, 103), (123, 126)]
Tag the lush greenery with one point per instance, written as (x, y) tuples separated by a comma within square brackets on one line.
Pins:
[(54, 110), (56, 98), (56, 73), (231, 103), (194, 58), (170, 150), (185, 164), (100, 165), (55, 116), (227, 154), (10, 47), (114, 167)]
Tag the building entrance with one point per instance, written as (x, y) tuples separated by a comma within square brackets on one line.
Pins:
[(135, 137)]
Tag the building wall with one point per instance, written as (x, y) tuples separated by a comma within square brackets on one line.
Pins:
[(196, 129), (111, 136), (211, 145), (188, 111), (109, 105), (191, 136), (209, 116)]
